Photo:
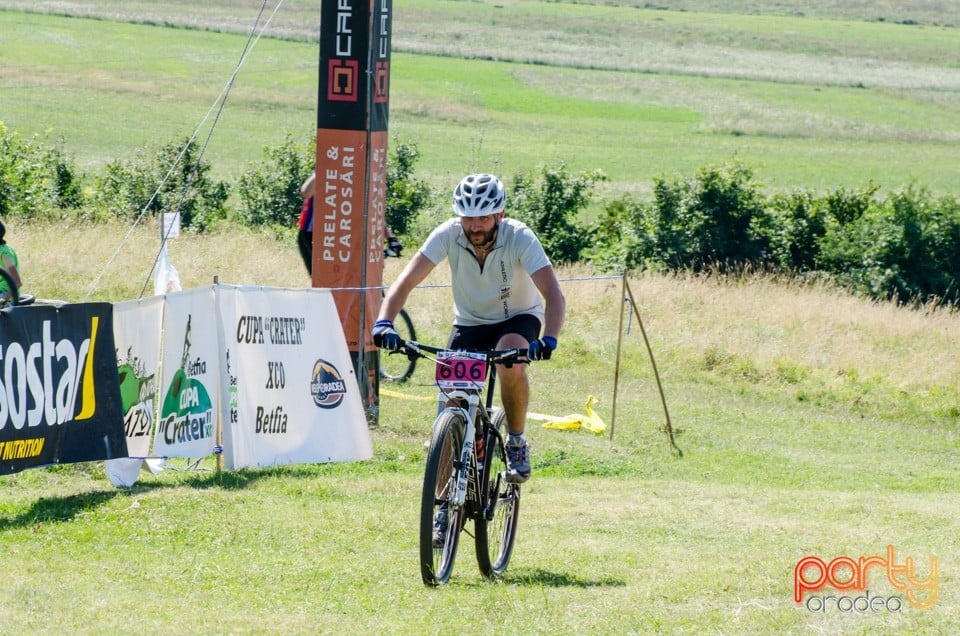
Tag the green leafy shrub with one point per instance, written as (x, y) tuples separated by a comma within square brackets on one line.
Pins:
[(906, 247), (623, 237), (36, 177), (270, 191), (406, 195), (794, 225), (173, 179), (549, 203), (716, 219)]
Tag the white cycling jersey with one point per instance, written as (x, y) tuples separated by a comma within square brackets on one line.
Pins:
[(502, 288)]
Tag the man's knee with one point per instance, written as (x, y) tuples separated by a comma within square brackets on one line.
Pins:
[(512, 374)]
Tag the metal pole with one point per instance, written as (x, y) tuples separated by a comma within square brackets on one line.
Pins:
[(616, 366), (216, 281)]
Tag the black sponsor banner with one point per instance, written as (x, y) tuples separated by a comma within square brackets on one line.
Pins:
[(344, 64), (380, 64), (59, 386)]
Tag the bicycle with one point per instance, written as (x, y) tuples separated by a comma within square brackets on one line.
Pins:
[(465, 473), (400, 368)]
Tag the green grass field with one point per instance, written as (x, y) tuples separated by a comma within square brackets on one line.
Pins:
[(811, 423), (807, 102)]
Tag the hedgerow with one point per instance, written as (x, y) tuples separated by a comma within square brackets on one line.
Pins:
[(903, 246)]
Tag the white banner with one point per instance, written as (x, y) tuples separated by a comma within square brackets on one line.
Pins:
[(189, 381), (136, 334), (289, 393)]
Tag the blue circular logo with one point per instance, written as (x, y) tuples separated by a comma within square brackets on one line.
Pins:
[(326, 385)]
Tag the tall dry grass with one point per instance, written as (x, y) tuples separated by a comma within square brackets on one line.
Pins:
[(76, 261), (770, 321), (816, 325), (766, 319)]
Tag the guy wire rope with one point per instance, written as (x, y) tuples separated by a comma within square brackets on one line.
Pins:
[(221, 100)]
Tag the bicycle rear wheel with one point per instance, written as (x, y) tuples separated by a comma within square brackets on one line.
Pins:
[(396, 367), (437, 553), (496, 525)]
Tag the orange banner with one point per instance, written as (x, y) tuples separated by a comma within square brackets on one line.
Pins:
[(349, 219), (348, 244)]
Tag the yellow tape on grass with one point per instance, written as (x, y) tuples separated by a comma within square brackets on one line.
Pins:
[(591, 421)]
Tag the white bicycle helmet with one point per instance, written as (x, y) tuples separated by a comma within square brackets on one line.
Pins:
[(479, 195)]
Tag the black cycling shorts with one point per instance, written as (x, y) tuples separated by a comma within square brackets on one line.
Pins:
[(486, 337)]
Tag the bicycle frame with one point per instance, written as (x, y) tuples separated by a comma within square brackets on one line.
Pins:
[(475, 406), (468, 456)]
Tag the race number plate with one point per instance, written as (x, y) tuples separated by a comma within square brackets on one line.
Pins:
[(460, 369)]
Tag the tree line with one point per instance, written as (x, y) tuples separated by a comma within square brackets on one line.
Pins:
[(904, 245)]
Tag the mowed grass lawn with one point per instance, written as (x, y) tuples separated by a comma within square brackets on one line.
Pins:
[(811, 423)]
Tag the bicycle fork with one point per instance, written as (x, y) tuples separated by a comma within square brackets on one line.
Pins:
[(461, 484)]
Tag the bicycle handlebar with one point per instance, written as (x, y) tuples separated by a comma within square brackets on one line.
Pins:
[(506, 357)]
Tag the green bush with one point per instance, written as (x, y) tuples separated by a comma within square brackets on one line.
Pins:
[(549, 204), (716, 219), (270, 192), (172, 180), (35, 176), (794, 225), (906, 247), (623, 237), (406, 195)]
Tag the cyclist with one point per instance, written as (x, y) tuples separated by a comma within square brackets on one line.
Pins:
[(305, 227), (505, 291), (10, 262)]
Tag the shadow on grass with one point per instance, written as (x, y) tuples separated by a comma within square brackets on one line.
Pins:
[(547, 578), (53, 509), (204, 478), (58, 509)]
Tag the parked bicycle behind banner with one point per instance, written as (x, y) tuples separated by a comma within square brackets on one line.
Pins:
[(392, 369)]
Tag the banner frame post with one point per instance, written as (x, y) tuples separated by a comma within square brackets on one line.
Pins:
[(616, 366), (668, 427), (219, 447), (352, 124)]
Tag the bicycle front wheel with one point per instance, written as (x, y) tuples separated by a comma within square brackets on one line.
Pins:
[(440, 523), (396, 367), (496, 525)]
